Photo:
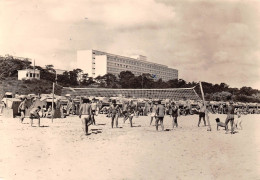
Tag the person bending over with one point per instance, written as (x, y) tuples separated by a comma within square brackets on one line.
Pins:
[(34, 114), (220, 124)]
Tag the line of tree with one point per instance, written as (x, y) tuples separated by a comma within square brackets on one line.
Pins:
[(126, 79)]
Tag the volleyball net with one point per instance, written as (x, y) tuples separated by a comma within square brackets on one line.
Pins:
[(171, 93)]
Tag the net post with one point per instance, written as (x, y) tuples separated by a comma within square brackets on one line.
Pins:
[(52, 104)]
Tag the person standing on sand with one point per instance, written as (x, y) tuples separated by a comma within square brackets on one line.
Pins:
[(124, 110), (160, 111), (230, 117), (114, 111), (175, 113), (130, 112), (153, 112), (85, 113), (22, 108), (94, 109), (202, 111)]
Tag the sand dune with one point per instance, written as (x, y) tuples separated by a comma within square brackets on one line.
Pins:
[(59, 150)]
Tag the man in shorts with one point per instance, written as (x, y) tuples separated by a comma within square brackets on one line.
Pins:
[(22, 108), (175, 113), (153, 112), (230, 117), (202, 114), (114, 111), (94, 109), (85, 113), (34, 114), (160, 112)]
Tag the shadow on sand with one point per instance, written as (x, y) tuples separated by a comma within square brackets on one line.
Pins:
[(40, 126)]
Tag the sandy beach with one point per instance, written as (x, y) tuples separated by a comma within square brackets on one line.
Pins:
[(59, 150)]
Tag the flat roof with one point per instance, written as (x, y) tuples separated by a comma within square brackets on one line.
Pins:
[(28, 70)]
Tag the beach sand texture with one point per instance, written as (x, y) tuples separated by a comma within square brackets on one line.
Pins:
[(59, 150)]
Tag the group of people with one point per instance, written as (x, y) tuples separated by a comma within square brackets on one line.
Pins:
[(234, 122), (33, 114), (89, 108), (127, 111), (158, 111)]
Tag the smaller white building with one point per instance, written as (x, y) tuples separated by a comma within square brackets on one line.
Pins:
[(28, 74)]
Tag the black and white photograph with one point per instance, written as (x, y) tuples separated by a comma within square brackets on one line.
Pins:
[(129, 89)]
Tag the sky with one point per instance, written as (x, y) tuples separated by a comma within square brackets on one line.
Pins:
[(214, 41)]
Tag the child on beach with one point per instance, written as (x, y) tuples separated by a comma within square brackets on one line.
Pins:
[(220, 124), (34, 114)]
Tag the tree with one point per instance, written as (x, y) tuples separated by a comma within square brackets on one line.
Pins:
[(111, 80), (46, 74), (126, 79), (50, 68), (248, 91), (64, 79), (147, 81), (160, 84)]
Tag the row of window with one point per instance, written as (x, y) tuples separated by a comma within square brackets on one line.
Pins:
[(32, 75), (117, 71), (132, 62), (139, 68), (128, 62)]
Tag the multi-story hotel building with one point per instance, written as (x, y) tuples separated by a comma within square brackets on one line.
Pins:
[(98, 63)]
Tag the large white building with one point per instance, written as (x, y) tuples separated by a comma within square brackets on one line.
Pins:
[(98, 63)]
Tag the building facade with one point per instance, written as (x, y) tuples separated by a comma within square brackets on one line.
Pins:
[(98, 63), (28, 74)]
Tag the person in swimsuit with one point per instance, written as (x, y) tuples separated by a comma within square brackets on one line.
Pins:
[(230, 117), (153, 112), (85, 113), (94, 109), (34, 114), (22, 108), (114, 111), (160, 112), (202, 114), (175, 113)]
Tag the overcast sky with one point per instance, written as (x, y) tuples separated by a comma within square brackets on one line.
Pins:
[(206, 40)]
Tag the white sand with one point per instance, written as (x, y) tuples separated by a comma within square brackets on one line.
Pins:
[(61, 151)]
